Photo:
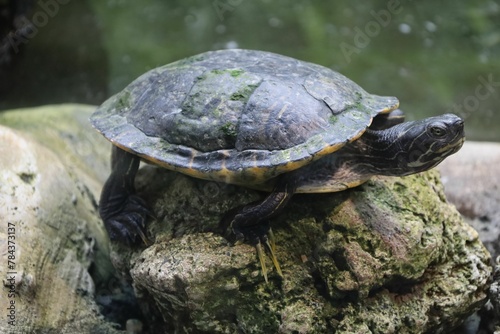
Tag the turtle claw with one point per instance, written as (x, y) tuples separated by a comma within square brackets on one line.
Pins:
[(251, 224), (262, 260), (260, 236), (269, 244), (144, 238), (271, 247), (271, 241)]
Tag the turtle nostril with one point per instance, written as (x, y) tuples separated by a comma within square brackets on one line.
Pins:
[(459, 124)]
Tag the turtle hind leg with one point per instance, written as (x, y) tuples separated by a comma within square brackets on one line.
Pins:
[(251, 223), (123, 212)]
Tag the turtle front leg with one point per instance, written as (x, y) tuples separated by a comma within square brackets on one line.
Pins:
[(251, 223), (123, 212)]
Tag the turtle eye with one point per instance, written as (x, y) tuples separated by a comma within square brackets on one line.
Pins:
[(437, 131)]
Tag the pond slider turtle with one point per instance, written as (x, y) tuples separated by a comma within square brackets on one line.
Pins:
[(263, 121)]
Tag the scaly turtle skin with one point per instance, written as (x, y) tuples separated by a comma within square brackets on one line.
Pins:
[(263, 121)]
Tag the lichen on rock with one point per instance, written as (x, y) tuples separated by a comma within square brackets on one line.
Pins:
[(391, 256)]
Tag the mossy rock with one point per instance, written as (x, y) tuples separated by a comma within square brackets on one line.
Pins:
[(391, 256), (49, 185)]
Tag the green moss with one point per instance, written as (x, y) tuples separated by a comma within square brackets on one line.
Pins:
[(229, 129), (237, 97), (236, 72), (123, 101), (243, 94)]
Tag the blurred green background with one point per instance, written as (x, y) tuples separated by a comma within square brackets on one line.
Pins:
[(439, 56)]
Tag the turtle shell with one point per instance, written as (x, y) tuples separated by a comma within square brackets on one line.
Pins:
[(238, 116)]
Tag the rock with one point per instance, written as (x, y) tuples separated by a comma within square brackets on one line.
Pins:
[(52, 166), (391, 256), (492, 310), (472, 183)]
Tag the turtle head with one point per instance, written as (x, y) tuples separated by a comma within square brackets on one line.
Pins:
[(421, 145), (409, 147)]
